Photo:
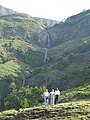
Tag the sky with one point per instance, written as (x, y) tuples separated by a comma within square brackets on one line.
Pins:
[(50, 9)]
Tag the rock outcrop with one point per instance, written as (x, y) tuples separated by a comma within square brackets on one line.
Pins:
[(6, 11), (47, 22)]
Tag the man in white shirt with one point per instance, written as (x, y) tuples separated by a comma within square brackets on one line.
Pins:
[(46, 97)]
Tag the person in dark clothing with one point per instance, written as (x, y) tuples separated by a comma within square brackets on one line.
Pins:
[(57, 95)]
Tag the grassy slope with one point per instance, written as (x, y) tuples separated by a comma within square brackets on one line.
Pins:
[(20, 26), (79, 110), (79, 93), (67, 65), (15, 54)]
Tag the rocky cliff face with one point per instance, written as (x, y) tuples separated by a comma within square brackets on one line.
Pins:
[(44, 39), (75, 27), (6, 11), (47, 22)]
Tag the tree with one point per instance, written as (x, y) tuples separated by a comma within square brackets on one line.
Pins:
[(24, 97), (12, 86)]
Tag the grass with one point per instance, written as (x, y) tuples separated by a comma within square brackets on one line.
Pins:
[(79, 110), (8, 113), (79, 93)]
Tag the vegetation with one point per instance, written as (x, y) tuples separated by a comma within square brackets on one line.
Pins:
[(16, 57), (19, 26), (79, 110), (67, 66), (24, 97), (9, 68), (79, 93), (23, 71)]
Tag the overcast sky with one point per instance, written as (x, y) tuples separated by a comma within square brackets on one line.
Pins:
[(51, 9)]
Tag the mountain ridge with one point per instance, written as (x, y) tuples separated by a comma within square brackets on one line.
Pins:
[(6, 11), (74, 27)]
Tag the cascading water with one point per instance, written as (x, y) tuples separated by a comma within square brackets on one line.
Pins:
[(48, 47), (48, 41), (45, 57), (24, 82)]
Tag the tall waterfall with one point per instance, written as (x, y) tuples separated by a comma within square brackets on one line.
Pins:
[(48, 46), (48, 41), (45, 57), (24, 83)]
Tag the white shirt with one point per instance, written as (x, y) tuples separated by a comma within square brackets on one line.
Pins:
[(46, 94), (52, 93), (57, 92)]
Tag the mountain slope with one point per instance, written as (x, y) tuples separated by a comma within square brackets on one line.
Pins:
[(66, 66), (74, 28), (14, 25), (61, 62), (19, 26), (33, 55)]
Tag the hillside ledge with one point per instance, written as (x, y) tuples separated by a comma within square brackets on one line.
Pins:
[(79, 110)]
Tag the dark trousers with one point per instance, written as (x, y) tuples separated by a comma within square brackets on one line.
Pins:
[(56, 98)]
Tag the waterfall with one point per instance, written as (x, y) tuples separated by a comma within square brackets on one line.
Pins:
[(48, 46), (45, 57), (25, 75), (48, 40), (24, 82)]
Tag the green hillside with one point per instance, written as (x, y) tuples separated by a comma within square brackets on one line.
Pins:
[(16, 58), (34, 57), (66, 66), (19, 26)]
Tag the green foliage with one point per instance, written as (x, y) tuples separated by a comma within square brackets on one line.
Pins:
[(12, 101), (12, 86), (19, 26), (24, 97), (84, 92), (81, 92), (9, 68), (5, 55), (25, 52)]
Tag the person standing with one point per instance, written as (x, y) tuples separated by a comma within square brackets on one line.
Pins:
[(52, 97), (46, 97), (57, 95)]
